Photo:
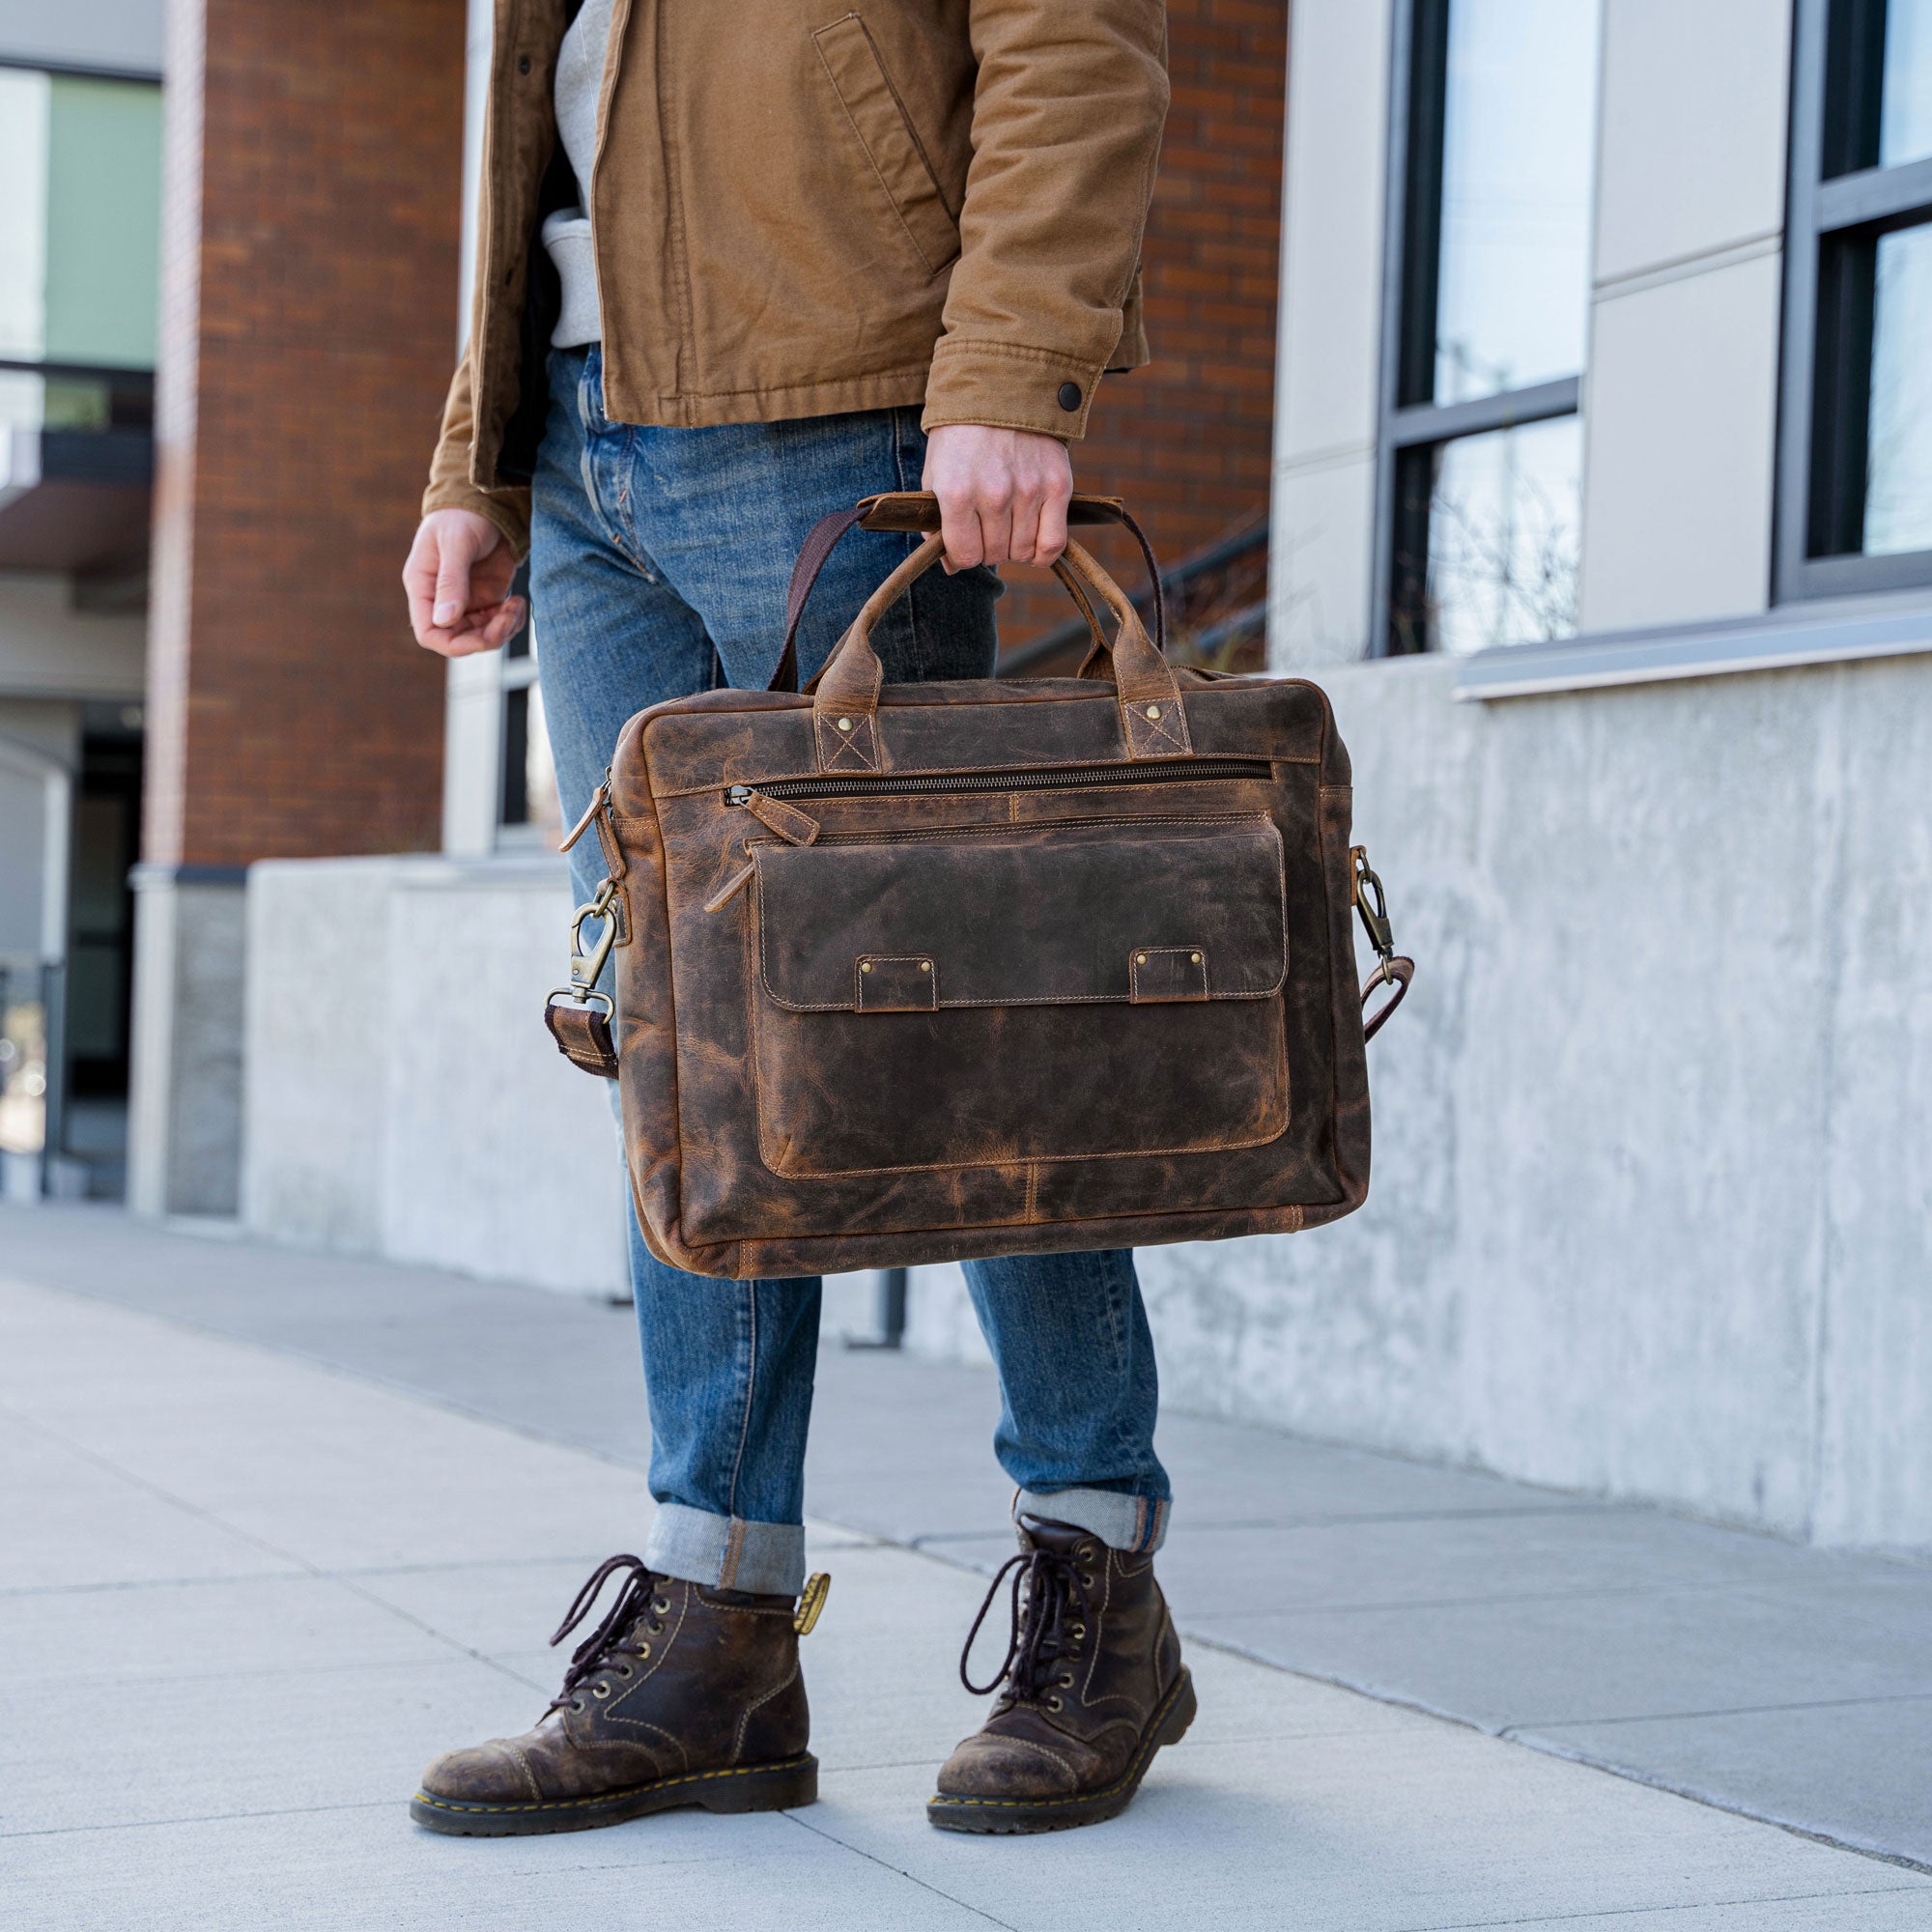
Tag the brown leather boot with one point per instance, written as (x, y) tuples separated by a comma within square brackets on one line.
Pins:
[(682, 1695), (1095, 1686)]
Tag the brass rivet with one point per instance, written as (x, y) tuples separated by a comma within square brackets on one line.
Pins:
[(844, 723), (925, 965), (1196, 957), (1153, 710), (1140, 958), (865, 965)]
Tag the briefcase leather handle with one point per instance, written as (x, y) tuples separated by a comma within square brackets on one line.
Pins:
[(916, 510), (845, 692)]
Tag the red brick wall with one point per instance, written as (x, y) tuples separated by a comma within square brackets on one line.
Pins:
[(308, 330), (1188, 440)]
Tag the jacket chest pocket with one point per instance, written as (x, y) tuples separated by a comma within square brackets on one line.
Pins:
[(1071, 991), (877, 117)]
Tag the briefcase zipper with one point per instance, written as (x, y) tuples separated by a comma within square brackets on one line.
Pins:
[(1178, 771), (765, 803)]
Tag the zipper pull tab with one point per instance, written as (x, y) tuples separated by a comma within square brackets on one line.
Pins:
[(793, 827), (729, 890), (598, 799)]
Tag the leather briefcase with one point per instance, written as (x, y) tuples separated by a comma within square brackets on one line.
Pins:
[(928, 971)]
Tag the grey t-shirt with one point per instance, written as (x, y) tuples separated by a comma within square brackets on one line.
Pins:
[(566, 234)]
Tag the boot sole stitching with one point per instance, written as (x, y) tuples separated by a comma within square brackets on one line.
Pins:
[(467, 1807), (1133, 1773)]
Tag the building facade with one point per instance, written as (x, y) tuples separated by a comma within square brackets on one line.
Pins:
[(1602, 509), (1599, 506), (80, 114)]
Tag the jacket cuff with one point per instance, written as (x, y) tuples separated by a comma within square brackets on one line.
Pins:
[(508, 509), (1008, 387)]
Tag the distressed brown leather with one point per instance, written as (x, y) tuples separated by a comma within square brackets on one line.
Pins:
[(694, 1698), (916, 972), (1093, 1686)]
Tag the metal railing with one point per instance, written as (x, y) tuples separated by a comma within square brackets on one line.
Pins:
[(1176, 583)]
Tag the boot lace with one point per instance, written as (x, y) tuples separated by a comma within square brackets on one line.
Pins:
[(599, 1650), (1050, 1607)]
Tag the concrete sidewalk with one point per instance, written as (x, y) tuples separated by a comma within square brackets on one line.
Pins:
[(244, 1595)]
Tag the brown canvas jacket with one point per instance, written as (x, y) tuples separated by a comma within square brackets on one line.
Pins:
[(799, 211)]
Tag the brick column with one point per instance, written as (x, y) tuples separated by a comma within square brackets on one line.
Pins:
[(1188, 441), (310, 239)]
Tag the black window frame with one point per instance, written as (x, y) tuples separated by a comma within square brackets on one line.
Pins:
[(1409, 432), (1833, 223)]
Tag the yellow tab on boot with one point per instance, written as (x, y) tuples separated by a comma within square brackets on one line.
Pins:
[(816, 1589)]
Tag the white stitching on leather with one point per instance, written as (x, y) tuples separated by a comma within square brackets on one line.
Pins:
[(759, 849), (524, 1765), (929, 979), (1153, 952)]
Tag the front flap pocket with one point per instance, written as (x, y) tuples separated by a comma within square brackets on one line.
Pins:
[(989, 996), (879, 119), (1067, 912)]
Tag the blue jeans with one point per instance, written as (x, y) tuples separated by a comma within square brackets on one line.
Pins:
[(659, 559)]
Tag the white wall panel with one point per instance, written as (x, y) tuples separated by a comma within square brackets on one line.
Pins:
[(1692, 129), (118, 35), (1328, 342), (1321, 521), (1681, 411)]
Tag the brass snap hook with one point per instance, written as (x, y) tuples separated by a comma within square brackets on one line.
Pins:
[(585, 967), (1372, 903)]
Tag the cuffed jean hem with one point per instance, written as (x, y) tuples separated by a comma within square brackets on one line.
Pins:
[(1133, 1524), (726, 1551)]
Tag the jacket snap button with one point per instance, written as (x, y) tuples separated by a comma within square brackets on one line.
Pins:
[(1069, 397), (925, 965), (1140, 958), (1153, 710), (865, 965), (1194, 958), (844, 723)]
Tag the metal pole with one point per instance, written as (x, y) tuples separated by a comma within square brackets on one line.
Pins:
[(892, 1314)]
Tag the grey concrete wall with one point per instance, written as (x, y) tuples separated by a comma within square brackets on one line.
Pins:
[(1652, 1205), (184, 1097), (1652, 1210), (403, 1097)]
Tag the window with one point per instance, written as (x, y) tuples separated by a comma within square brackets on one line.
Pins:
[(1855, 508), (527, 784), (1480, 477), (79, 248)]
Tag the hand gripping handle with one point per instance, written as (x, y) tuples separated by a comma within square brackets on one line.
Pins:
[(918, 510), (845, 693)]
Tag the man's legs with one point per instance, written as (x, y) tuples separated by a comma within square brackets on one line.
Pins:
[(661, 559), (1078, 1392)]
